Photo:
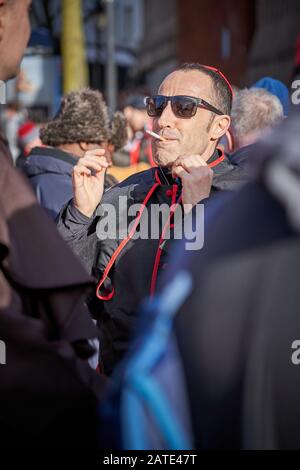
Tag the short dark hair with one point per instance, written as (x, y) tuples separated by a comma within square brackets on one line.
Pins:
[(222, 90)]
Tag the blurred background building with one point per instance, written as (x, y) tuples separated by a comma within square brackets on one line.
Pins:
[(247, 39), (277, 26)]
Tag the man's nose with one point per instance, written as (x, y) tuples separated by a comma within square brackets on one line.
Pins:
[(167, 117)]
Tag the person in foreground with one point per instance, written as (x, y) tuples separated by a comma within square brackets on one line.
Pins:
[(240, 346), (216, 362), (48, 392)]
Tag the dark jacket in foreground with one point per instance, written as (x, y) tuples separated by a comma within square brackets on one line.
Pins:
[(134, 271), (48, 392), (49, 171)]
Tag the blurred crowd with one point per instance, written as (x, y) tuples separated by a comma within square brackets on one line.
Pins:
[(85, 122), (121, 340)]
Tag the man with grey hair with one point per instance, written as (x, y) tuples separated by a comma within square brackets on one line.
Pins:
[(254, 112)]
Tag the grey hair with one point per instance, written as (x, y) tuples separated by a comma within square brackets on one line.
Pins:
[(254, 111)]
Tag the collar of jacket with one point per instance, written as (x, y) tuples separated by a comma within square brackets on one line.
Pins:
[(136, 186), (54, 153), (216, 159)]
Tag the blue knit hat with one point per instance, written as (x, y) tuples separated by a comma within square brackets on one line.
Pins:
[(277, 88)]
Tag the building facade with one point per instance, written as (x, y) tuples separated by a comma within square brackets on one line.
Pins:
[(217, 33), (277, 26), (177, 31), (247, 39), (158, 53)]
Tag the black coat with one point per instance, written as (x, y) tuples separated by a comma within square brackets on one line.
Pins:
[(237, 328), (49, 172), (241, 156)]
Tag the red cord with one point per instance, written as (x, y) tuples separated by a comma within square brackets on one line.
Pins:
[(122, 245), (173, 209)]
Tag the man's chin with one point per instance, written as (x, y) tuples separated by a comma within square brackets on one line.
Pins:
[(164, 159)]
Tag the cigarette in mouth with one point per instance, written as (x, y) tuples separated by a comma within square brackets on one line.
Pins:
[(156, 136)]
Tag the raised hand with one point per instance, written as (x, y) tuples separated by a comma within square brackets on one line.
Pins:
[(88, 181)]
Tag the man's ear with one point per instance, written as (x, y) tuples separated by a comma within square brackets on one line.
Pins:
[(220, 126), (110, 147), (84, 146)]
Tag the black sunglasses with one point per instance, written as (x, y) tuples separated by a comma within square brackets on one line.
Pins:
[(182, 106)]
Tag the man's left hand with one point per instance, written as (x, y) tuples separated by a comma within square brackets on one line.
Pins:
[(196, 177)]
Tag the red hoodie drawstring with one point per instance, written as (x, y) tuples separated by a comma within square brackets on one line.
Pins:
[(122, 245), (173, 209)]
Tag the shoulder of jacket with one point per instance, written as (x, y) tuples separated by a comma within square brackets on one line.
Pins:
[(230, 177)]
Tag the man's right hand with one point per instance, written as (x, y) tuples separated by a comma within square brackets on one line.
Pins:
[(87, 187)]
